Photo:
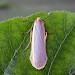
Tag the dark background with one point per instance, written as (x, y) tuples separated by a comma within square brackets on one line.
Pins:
[(22, 8)]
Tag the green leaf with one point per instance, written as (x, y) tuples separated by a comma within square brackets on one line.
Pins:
[(60, 45)]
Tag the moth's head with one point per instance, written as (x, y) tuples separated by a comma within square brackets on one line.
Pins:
[(38, 19), (38, 22)]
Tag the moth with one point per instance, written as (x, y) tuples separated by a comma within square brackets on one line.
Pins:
[(38, 55)]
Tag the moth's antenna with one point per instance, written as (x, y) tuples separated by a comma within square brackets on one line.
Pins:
[(27, 46), (28, 21), (47, 16), (26, 33)]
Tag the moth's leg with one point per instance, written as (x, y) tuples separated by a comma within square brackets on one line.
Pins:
[(31, 36), (30, 30), (29, 41), (45, 37), (31, 54)]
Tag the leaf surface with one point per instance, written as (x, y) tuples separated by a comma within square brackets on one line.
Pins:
[(60, 45)]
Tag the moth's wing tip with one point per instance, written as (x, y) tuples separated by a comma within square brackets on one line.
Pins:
[(36, 65)]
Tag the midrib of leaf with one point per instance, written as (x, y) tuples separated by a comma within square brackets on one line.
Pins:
[(10, 62), (59, 48)]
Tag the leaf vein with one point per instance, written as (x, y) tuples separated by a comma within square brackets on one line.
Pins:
[(59, 49)]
